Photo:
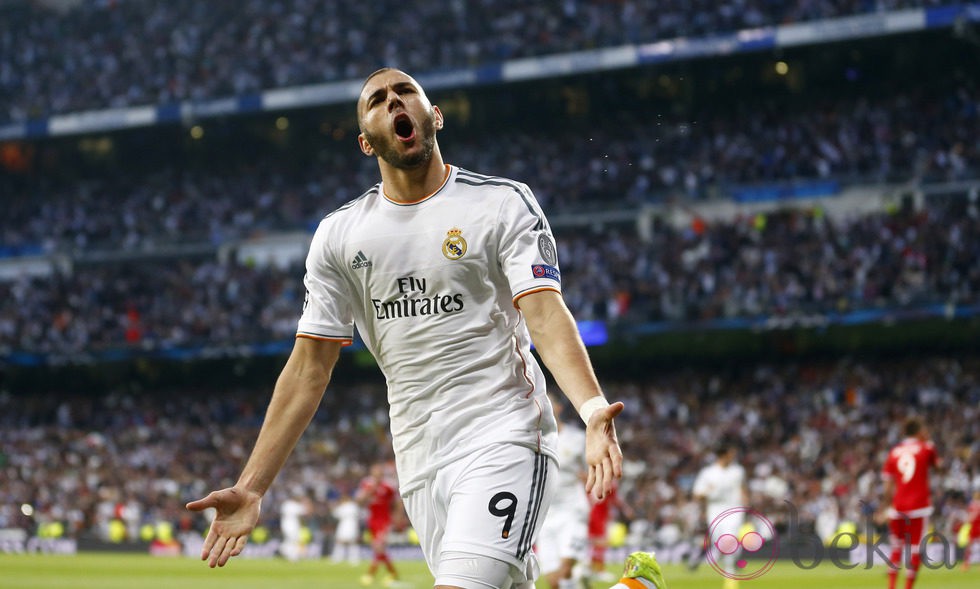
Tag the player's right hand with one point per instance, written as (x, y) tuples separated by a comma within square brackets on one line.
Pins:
[(237, 514)]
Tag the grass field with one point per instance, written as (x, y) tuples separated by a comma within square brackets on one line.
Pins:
[(114, 571)]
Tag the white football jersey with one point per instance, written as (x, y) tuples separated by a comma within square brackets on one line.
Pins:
[(721, 486), (431, 286)]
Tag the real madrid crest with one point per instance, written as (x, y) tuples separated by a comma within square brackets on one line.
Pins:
[(455, 246)]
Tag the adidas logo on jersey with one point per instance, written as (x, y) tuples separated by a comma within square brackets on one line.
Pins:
[(360, 261)]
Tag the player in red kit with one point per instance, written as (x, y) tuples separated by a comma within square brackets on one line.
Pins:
[(379, 496), (906, 476), (598, 529), (973, 516)]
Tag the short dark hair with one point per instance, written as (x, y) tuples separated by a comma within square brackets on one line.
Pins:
[(375, 73), (726, 444), (913, 425)]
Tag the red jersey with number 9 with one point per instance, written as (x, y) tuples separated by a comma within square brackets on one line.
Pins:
[(908, 464)]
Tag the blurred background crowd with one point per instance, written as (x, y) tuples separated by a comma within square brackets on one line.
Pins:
[(626, 160), (787, 264), (134, 52), (812, 434)]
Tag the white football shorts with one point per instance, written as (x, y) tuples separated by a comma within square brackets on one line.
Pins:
[(490, 504)]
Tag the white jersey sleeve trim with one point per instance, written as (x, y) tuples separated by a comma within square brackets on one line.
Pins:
[(538, 288), (344, 340)]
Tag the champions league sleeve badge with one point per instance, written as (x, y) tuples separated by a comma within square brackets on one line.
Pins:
[(546, 248), (454, 246)]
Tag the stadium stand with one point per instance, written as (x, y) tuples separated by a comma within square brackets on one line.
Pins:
[(134, 52), (630, 159), (786, 264), (96, 247), (717, 193), (814, 434)]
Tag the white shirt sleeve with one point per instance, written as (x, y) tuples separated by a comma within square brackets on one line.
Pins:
[(327, 308), (699, 490), (527, 252)]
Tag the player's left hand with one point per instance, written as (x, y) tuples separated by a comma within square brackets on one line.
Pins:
[(602, 452)]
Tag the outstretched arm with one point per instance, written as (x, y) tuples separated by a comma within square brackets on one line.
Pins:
[(297, 395), (556, 338)]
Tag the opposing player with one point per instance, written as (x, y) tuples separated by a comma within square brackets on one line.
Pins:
[(720, 488), (563, 541), (908, 497), (600, 514), (380, 498), (973, 517), (449, 275)]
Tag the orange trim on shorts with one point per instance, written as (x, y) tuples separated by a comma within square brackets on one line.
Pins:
[(632, 583), (427, 196)]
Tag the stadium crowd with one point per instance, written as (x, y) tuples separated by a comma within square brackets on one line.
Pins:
[(630, 158), (791, 263), (788, 264), (813, 434), (134, 52)]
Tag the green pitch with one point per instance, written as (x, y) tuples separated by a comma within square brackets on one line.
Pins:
[(104, 571)]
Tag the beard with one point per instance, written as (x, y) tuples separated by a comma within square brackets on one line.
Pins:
[(387, 149)]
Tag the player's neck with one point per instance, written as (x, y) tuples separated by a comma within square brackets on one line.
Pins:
[(411, 185)]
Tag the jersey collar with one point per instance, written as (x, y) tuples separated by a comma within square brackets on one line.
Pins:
[(445, 181)]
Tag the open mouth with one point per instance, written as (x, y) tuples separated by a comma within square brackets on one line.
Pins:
[(404, 129)]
